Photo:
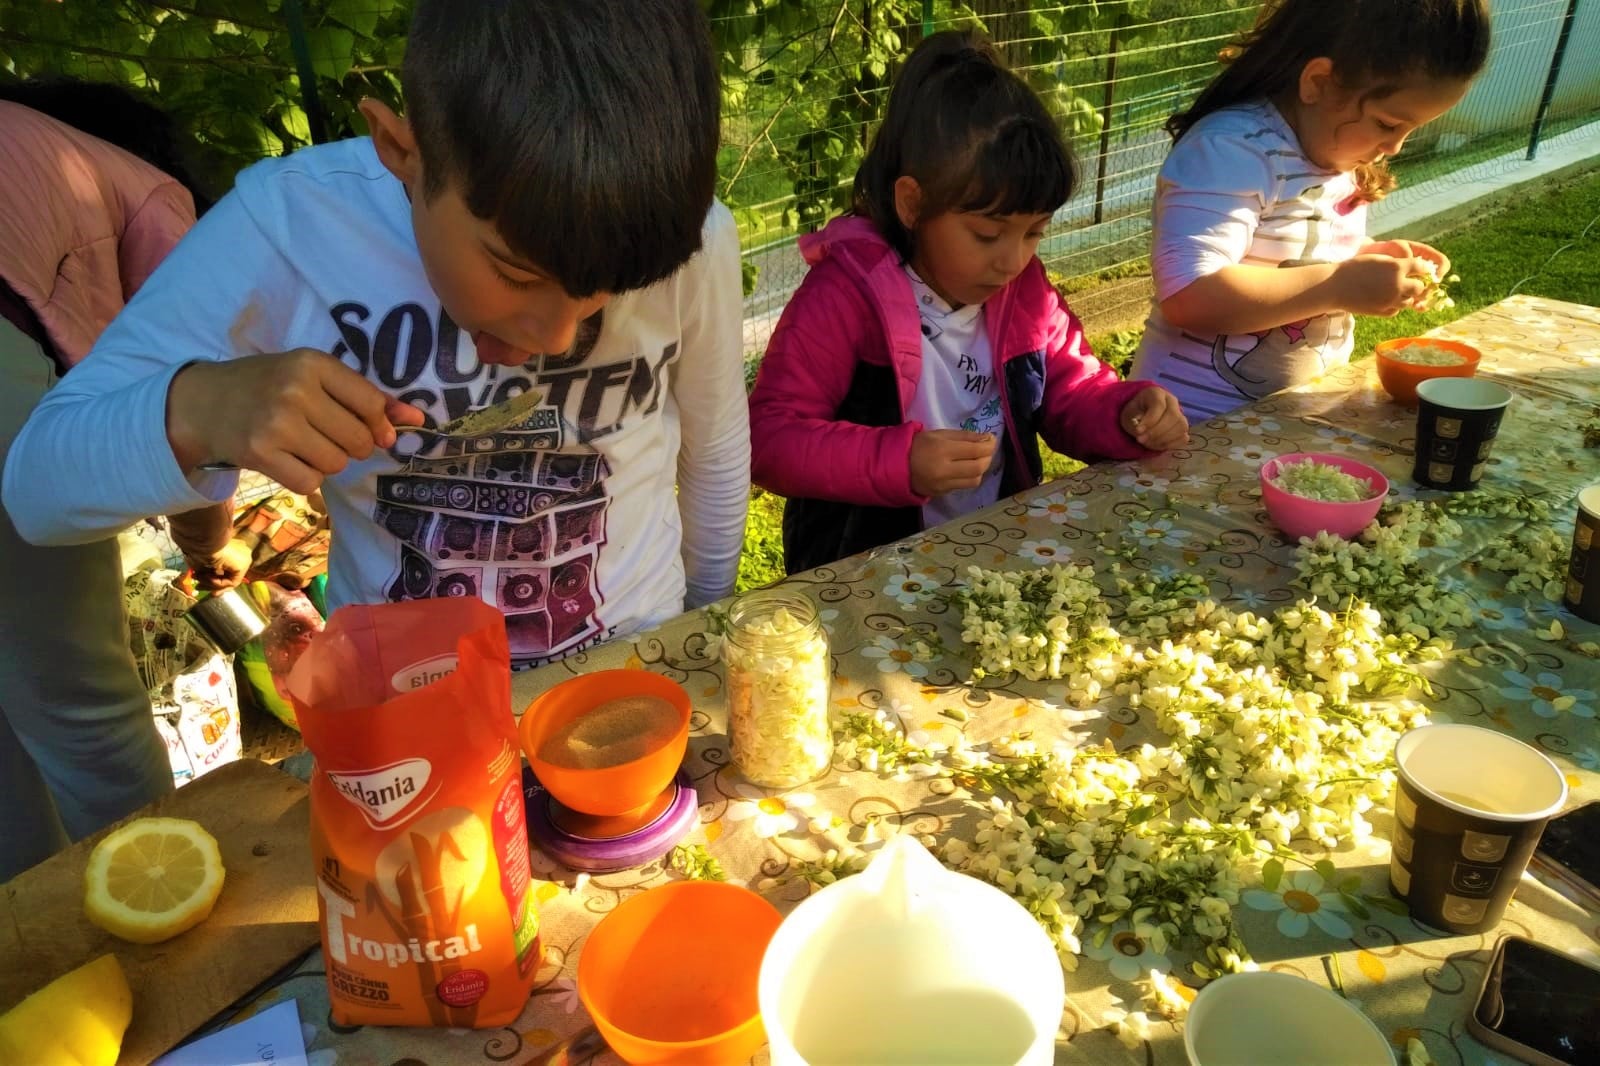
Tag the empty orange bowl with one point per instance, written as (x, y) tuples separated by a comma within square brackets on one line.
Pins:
[(1301, 516), (1400, 378), (627, 787), (670, 976)]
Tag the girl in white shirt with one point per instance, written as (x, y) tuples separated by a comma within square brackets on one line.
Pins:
[(1260, 256)]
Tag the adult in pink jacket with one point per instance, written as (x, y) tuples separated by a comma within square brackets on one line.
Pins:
[(82, 224), (913, 372)]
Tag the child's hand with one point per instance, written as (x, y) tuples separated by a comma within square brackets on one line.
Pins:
[(223, 569), (944, 460), (297, 416), (1411, 250), (1154, 418), (1377, 284)]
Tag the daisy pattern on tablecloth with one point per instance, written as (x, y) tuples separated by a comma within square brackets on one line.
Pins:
[(1153, 532), (1250, 599), (1547, 695), (1142, 481), (1059, 508), (894, 659), (1250, 454), (563, 993), (1494, 614), (1256, 425), (770, 816), (1333, 436), (1128, 955), (1300, 905), (911, 589), (1044, 551)]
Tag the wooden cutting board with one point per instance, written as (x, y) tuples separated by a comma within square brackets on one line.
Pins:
[(265, 918)]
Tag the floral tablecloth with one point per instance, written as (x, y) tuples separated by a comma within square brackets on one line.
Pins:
[(1194, 510)]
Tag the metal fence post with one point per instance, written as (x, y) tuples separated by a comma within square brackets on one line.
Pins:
[(294, 12), (1551, 77), (1105, 120)]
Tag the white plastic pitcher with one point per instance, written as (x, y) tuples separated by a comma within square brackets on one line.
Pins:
[(907, 962)]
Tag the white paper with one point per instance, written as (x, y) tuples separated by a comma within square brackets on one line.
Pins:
[(271, 1038)]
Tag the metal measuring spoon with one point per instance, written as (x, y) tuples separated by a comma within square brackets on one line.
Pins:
[(479, 423)]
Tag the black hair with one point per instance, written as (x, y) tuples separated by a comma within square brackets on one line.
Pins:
[(971, 133), (1377, 46), (585, 130), (119, 116)]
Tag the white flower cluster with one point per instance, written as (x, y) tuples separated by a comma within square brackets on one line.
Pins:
[(1267, 722), (1382, 569), (1278, 730), (1536, 558), (1044, 623), (1321, 481), (1434, 297), (1153, 607)]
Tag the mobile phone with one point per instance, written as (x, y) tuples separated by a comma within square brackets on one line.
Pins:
[(1540, 1005), (1568, 857)]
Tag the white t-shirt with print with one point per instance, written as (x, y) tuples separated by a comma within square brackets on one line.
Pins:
[(1237, 189), (567, 522), (957, 390)]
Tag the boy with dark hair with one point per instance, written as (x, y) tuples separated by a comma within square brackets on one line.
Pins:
[(544, 220)]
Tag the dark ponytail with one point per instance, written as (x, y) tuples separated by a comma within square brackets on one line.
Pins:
[(1376, 46), (971, 133)]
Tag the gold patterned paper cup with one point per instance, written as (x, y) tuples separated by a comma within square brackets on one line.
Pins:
[(1469, 808), (1457, 422), (1583, 569)]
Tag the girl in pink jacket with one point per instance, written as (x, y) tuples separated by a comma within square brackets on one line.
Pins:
[(910, 376)]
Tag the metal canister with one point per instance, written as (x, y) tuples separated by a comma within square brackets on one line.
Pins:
[(228, 619)]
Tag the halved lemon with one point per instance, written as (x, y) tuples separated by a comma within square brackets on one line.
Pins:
[(152, 879)]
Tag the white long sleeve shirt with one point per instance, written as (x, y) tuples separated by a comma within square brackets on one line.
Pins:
[(567, 522), (1237, 189)]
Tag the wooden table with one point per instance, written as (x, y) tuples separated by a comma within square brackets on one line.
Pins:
[(1198, 509)]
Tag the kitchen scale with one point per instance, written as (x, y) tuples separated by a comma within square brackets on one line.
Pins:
[(596, 843)]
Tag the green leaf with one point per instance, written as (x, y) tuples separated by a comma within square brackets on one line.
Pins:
[(1390, 904), (1350, 883), (1357, 908), (1140, 815), (181, 38), (359, 15), (332, 51), (1328, 872), (1271, 874)]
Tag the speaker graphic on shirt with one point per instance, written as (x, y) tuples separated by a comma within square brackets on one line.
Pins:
[(517, 517)]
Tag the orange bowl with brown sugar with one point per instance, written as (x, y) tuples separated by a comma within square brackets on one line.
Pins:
[(1401, 377), (607, 743)]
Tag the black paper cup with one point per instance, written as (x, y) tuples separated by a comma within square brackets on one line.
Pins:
[(1583, 569), (1469, 808), (1457, 421)]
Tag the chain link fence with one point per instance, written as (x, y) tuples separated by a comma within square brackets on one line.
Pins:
[(803, 83)]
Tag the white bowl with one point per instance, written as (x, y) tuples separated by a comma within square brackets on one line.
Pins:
[(1248, 1019)]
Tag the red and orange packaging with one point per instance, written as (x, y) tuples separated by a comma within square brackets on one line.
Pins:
[(417, 828)]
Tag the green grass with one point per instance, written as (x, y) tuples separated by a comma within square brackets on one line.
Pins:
[(1412, 170), (1545, 245)]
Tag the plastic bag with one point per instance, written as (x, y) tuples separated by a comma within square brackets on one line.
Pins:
[(191, 684), (417, 828)]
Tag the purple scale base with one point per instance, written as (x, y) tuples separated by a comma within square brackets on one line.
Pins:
[(596, 854)]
